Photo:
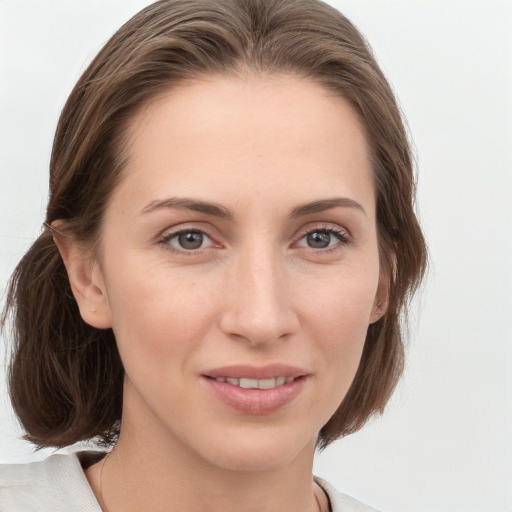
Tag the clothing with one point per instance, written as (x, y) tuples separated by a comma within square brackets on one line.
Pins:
[(58, 484)]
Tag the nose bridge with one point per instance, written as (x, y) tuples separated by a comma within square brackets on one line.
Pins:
[(259, 306)]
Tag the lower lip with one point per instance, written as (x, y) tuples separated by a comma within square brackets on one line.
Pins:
[(255, 401)]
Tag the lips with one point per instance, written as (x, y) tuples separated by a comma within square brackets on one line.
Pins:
[(255, 390), (248, 383), (271, 371)]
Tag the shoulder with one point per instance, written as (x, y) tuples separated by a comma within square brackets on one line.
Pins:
[(342, 502), (56, 484)]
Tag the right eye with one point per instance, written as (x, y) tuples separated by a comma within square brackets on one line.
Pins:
[(187, 240)]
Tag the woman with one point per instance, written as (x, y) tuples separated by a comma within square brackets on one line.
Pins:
[(228, 249)]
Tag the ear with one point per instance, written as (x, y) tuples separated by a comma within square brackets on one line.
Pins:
[(380, 304), (86, 280)]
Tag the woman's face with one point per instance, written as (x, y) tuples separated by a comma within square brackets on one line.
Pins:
[(240, 245)]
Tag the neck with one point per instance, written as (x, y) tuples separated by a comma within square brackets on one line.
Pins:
[(139, 476)]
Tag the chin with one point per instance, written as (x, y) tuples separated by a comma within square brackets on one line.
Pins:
[(261, 451)]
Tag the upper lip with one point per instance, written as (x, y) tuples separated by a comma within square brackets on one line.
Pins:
[(270, 371)]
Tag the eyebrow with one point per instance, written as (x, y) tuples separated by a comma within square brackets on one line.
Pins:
[(217, 210), (184, 203), (326, 204)]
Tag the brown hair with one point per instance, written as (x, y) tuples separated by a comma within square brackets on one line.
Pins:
[(66, 377)]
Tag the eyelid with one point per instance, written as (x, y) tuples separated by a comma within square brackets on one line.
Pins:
[(180, 227), (168, 234), (344, 236), (322, 226)]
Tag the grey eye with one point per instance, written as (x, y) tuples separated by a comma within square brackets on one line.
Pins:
[(187, 241), (190, 240), (318, 239)]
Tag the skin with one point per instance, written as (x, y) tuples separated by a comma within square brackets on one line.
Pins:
[(254, 292)]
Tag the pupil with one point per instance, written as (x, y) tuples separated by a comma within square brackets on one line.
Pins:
[(190, 240), (319, 240)]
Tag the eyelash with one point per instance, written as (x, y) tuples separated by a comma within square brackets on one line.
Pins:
[(165, 241), (343, 237)]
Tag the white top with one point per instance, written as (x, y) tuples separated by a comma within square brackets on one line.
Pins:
[(58, 484)]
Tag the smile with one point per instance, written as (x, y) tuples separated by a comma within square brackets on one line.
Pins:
[(256, 390), (248, 383)]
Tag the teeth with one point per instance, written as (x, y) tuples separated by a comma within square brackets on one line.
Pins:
[(267, 383), (248, 383), (256, 383)]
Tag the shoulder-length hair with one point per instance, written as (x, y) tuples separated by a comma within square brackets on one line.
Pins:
[(66, 377)]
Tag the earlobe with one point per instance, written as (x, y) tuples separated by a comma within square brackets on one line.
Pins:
[(379, 310), (86, 281), (381, 302)]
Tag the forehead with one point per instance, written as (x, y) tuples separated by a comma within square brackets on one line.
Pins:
[(260, 134)]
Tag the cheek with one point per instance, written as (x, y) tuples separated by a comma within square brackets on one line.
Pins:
[(336, 317), (342, 301), (158, 316)]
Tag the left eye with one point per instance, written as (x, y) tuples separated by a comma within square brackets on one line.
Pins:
[(321, 239), (188, 240)]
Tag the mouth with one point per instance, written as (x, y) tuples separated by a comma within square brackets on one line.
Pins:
[(256, 390), (248, 383)]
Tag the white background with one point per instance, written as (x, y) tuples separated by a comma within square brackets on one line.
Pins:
[(445, 442)]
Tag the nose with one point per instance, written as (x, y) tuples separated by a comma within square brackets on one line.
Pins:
[(258, 302)]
